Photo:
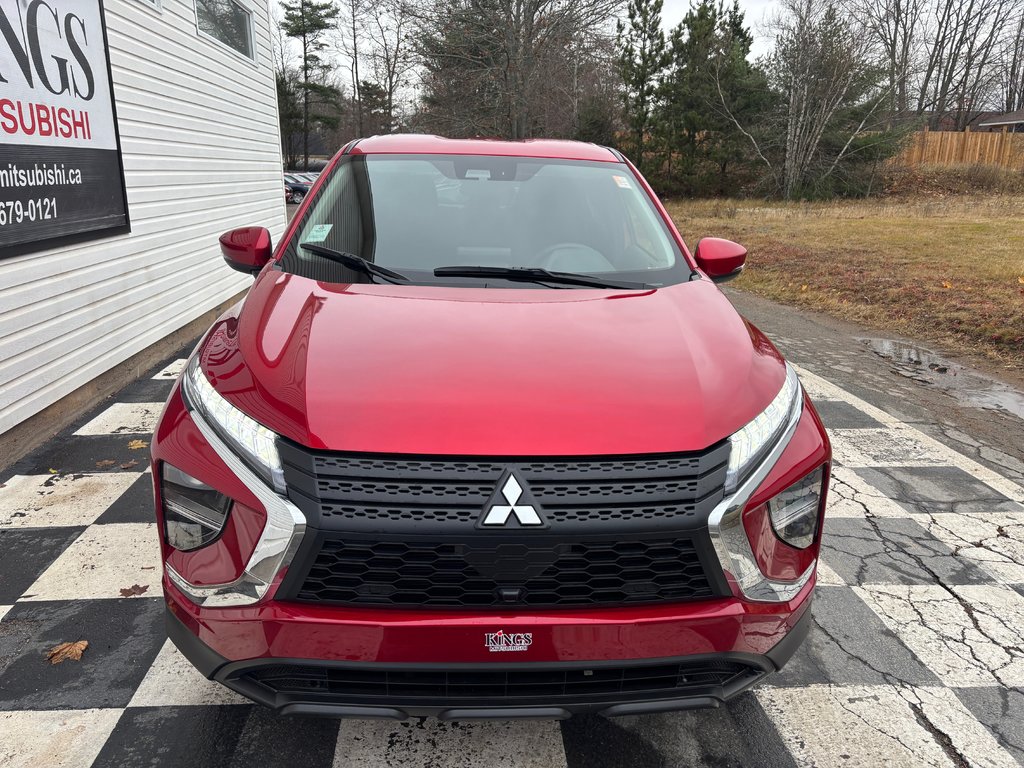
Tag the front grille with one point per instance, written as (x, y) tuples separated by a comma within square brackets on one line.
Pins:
[(522, 685), (404, 531), (357, 492), (544, 572)]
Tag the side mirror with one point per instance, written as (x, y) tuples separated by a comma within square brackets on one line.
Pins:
[(246, 249), (721, 260)]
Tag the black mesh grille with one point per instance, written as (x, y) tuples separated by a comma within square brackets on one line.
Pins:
[(543, 572), (351, 492), (403, 531), (519, 686)]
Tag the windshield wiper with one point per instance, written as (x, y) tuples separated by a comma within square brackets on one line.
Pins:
[(357, 263), (536, 275)]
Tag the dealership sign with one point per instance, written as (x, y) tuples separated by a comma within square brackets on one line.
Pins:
[(61, 178)]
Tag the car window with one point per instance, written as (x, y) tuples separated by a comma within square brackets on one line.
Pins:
[(416, 213)]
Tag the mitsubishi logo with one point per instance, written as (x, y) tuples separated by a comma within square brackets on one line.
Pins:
[(511, 491)]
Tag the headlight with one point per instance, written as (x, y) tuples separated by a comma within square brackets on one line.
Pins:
[(794, 512), (194, 513), (750, 445), (253, 442)]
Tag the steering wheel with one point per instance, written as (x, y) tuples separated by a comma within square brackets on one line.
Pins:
[(593, 259)]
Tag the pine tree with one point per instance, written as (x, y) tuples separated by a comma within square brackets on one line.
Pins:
[(307, 21), (642, 57)]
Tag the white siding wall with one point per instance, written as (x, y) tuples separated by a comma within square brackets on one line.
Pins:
[(201, 149)]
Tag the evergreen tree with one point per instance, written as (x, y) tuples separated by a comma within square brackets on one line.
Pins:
[(307, 21), (708, 87), (642, 57)]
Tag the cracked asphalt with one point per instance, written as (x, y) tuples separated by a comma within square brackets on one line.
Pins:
[(915, 656)]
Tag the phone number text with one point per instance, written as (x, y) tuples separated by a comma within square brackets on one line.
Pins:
[(20, 211)]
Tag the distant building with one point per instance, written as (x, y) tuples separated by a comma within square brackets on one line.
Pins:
[(1010, 121)]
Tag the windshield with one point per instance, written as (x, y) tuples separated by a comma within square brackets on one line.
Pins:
[(414, 214)]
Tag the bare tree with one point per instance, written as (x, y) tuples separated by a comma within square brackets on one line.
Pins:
[(961, 40), (349, 27), (392, 55), (821, 64), (1011, 66), (897, 26)]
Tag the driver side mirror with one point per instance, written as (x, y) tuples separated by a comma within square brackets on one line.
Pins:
[(721, 260), (246, 249)]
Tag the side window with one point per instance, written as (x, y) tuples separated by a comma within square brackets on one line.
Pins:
[(227, 22)]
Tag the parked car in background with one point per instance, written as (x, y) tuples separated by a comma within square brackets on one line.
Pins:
[(297, 188), (485, 439)]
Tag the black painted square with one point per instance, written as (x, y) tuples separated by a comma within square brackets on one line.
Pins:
[(891, 550), (25, 553), (937, 490), (850, 645), (124, 637), (135, 505)]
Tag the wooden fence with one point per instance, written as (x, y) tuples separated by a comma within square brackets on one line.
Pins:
[(1002, 149)]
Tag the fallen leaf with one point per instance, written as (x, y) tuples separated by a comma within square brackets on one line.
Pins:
[(130, 464), (137, 444), (1020, 280), (53, 471), (64, 651), (105, 463), (134, 589), (803, 288), (946, 284)]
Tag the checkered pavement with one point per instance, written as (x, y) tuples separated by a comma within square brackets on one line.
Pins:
[(915, 656)]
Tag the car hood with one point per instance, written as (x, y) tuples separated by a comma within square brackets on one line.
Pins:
[(477, 371)]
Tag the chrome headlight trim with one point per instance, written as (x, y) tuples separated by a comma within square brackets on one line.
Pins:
[(248, 438), (726, 525), (275, 549)]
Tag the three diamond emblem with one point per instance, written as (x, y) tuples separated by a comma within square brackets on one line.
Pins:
[(500, 514)]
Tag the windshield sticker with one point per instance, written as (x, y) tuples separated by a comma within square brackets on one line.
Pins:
[(622, 181), (319, 233)]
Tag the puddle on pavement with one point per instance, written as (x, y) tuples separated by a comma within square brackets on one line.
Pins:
[(968, 387)]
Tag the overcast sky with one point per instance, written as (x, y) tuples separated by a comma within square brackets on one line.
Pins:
[(756, 11)]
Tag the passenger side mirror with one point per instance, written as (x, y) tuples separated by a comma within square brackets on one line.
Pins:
[(246, 249), (721, 260)]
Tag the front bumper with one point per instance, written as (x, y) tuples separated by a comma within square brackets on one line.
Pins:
[(397, 668)]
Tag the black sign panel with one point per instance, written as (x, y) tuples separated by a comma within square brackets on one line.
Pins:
[(61, 176)]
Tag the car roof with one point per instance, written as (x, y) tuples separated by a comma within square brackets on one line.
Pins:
[(423, 144)]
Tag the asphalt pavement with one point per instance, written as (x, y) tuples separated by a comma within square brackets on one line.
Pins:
[(914, 657)]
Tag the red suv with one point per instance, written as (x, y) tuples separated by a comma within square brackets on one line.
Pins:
[(485, 440)]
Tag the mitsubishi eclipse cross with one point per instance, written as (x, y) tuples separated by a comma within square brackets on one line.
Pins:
[(484, 439)]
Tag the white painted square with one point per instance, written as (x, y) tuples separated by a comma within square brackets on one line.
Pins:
[(823, 389), (54, 739), (888, 447), (172, 681), (994, 541), (34, 501), (102, 561), (125, 419), (172, 371), (827, 577), (508, 744), (825, 725), (852, 496), (960, 633)]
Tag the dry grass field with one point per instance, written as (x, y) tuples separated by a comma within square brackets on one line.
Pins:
[(947, 270)]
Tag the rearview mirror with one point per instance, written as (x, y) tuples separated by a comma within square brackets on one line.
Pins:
[(246, 249), (721, 260)]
